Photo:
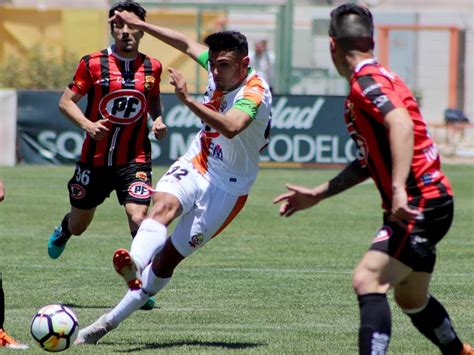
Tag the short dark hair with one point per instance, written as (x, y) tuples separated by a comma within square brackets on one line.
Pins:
[(352, 26), (232, 41), (130, 6)]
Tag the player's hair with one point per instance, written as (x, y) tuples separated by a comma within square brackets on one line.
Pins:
[(232, 41), (130, 6), (352, 27)]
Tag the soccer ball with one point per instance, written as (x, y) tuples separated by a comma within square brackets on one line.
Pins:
[(54, 327)]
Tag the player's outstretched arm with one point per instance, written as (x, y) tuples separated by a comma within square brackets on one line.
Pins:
[(171, 37), (299, 198), (2, 190)]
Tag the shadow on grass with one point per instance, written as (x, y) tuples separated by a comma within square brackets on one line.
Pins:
[(214, 344)]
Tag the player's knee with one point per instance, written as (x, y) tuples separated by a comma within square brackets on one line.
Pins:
[(410, 302), (364, 281), (164, 211)]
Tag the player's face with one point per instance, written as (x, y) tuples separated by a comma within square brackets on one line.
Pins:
[(126, 38), (228, 69)]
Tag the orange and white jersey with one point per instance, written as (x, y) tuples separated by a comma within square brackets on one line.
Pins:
[(232, 164)]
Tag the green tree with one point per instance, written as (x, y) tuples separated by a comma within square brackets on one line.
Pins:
[(39, 68)]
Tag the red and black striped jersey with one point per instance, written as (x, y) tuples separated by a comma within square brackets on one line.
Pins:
[(374, 92), (119, 90)]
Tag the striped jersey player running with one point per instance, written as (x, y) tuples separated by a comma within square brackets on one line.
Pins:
[(208, 186)]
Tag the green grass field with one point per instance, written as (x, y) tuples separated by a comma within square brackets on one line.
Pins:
[(266, 285)]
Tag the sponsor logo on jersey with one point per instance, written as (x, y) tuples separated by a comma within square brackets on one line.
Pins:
[(196, 240), (371, 88), (123, 106), (384, 233), (139, 190), (77, 191), (380, 100), (141, 175)]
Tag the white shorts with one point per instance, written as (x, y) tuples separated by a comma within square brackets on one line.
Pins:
[(207, 209)]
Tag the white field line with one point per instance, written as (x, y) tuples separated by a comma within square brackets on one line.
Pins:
[(255, 270)]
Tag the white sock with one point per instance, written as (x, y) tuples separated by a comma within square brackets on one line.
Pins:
[(132, 301), (148, 242), (153, 284)]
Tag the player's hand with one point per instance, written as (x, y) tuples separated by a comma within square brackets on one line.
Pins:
[(298, 198), (158, 128), (98, 130), (123, 17), (401, 213), (180, 86)]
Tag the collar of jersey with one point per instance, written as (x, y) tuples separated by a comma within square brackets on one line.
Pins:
[(118, 56), (365, 62)]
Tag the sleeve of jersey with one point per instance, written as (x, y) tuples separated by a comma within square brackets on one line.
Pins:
[(158, 69), (203, 58), (82, 80), (252, 98), (377, 96)]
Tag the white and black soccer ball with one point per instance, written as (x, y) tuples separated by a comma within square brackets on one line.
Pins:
[(54, 327)]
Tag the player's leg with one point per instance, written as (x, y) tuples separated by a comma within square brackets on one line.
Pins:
[(88, 188), (6, 341), (74, 222), (135, 215), (372, 278), (426, 313), (132, 182)]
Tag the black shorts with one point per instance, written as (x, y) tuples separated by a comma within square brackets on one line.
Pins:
[(90, 186), (415, 245)]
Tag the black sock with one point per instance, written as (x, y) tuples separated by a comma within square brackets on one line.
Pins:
[(434, 323), (65, 225), (2, 304), (375, 324)]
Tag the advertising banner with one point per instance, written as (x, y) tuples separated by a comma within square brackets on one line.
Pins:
[(306, 131)]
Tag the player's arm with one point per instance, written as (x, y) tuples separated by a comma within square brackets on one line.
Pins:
[(68, 106), (229, 124), (171, 37), (155, 110), (401, 138), (299, 197)]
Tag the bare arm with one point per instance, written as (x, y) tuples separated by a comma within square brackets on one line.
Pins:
[(299, 198), (171, 37), (401, 138), (158, 128), (229, 124), (68, 106)]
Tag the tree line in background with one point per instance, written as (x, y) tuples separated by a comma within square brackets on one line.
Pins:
[(38, 68)]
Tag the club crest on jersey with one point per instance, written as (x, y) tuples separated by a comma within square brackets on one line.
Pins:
[(141, 175), (123, 106), (196, 240), (139, 190), (77, 191), (384, 233), (149, 82)]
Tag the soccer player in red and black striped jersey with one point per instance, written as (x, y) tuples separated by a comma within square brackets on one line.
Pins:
[(122, 88), (395, 150)]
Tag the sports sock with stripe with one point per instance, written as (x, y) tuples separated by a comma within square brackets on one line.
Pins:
[(433, 322)]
